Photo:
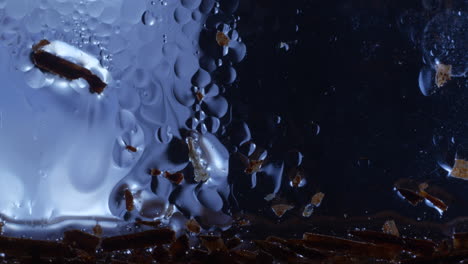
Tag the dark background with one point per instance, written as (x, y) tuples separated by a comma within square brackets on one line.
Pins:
[(352, 68)]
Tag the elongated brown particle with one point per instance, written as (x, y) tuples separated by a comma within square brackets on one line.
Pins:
[(317, 199), (128, 200), (64, 68), (131, 148), (222, 39), (411, 196)]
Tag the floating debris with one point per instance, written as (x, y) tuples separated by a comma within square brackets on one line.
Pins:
[(460, 169), (199, 164), (296, 177), (254, 166), (434, 202), (199, 96), (131, 148), (443, 74), (97, 230), (222, 39), (193, 226), (154, 172), (389, 227), (317, 199), (49, 56), (128, 200), (281, 209), (175, 178)]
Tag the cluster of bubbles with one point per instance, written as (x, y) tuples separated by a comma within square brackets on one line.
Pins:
[(443, 42), (168, 75)]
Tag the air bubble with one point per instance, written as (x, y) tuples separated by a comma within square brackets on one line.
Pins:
[(148, 18)]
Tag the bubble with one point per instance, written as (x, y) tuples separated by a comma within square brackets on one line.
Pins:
[(426, 77), (182, 15), (444, 41), (148, 18)]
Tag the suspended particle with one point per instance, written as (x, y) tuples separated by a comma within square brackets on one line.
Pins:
[(389, 227), (460, 169), (193, 226), (175, 178), (128, 200), (317, 199), (222, 39), (443, 74), (281, 209)]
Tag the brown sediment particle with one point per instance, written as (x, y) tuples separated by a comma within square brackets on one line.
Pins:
[(154, 172), (317, 199), (139, 240), (128, 200), (97, 229), (243, 222), (460, 169), (389, 227), (254, 166), (199, 96), (66, 69), (443, 74), (81, 240), (297, 178), (193, 226), (222, 39), (411, 196), (175, 178), (434, 200), (281, 209), (213, 243), (131, 148)]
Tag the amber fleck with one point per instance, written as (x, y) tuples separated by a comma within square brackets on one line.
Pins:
[(254, 166), (222, 39), (128, 200), (193, 226), (317, 199), (154, 172), (460, 169), (175, 178), (443, 74), (389, 227), (131, 148), (97, 230), (281, 209)]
